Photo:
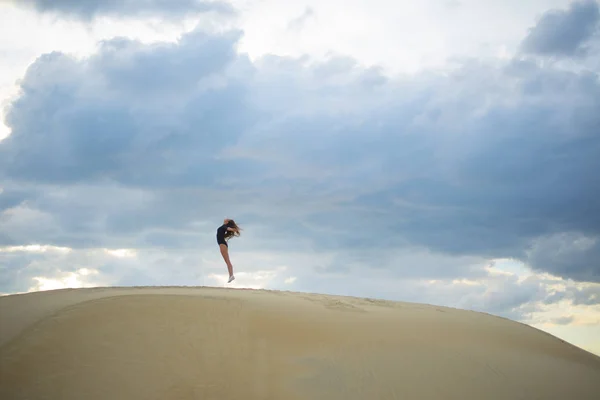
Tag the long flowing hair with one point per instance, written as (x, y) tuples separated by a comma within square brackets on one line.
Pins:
[(236, 232)]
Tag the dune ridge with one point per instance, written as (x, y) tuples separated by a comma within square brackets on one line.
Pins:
[(216, 343)]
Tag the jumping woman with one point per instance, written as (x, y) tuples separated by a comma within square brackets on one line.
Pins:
[(224, 233)]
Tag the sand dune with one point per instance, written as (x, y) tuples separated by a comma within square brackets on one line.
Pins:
[(209, 343)]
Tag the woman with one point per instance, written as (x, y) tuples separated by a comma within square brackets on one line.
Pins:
[(224, 233)]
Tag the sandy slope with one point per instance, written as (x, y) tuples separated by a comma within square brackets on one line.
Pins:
[(208, 343)]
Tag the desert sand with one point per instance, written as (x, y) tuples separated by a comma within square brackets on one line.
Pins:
[(212, 343)]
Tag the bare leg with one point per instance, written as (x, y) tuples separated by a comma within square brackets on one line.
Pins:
[(225, 254)]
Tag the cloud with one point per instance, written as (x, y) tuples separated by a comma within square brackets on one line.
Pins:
[(299, 22), (564, 32), (503, 294), (150, 145), (101, 127), (45, 267), (563, 320), (586, 295), (567, 254), (11, 197), (90, 9), (29, 268), (452, 4)]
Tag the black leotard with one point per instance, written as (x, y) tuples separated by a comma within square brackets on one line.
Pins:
[(221, 234)]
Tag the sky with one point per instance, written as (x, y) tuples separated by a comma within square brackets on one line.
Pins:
[(442, 152)]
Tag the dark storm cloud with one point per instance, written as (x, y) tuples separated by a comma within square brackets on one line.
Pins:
[(572, 255), (90, 122), (564, 32), (482, 162), (11, 197), (88, 9)]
